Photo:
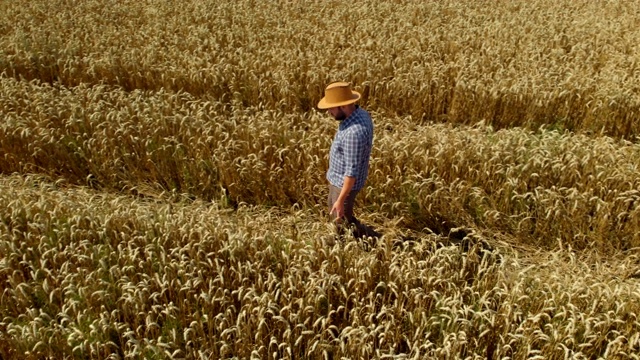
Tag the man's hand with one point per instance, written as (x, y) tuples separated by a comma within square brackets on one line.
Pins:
[(338, 209), (338, 206)]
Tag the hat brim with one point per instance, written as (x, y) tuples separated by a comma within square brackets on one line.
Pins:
[(324, 104)]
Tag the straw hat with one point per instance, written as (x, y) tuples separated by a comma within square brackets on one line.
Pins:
[(338, 94)]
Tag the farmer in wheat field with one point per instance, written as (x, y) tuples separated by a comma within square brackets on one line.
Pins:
[(349, 156)]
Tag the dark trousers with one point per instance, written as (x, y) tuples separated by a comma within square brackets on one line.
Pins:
[(348, 220)]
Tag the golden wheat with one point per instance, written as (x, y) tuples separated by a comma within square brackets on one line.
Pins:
[(545, 186), (197, 232), (90, 274), (571, 64)]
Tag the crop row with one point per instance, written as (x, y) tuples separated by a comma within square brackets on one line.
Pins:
[(545, 186), (96, 275), (572, 64)]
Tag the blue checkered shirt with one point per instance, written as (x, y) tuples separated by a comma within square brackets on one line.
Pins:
[(351, 149)]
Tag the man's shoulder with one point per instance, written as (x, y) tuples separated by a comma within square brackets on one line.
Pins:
[(357, 132), (362, 113), (358, 127), (360, 118)]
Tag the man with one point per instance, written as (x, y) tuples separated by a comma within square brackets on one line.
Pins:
[(349, 155)]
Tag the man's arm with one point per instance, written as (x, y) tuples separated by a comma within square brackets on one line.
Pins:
[(338, 206)]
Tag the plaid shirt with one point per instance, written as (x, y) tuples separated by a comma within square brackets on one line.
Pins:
[(351, 149)]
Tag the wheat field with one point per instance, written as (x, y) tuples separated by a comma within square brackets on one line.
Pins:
[(162, 180), (97, 275)]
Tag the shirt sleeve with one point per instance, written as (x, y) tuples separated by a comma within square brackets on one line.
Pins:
[(355, 144)]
